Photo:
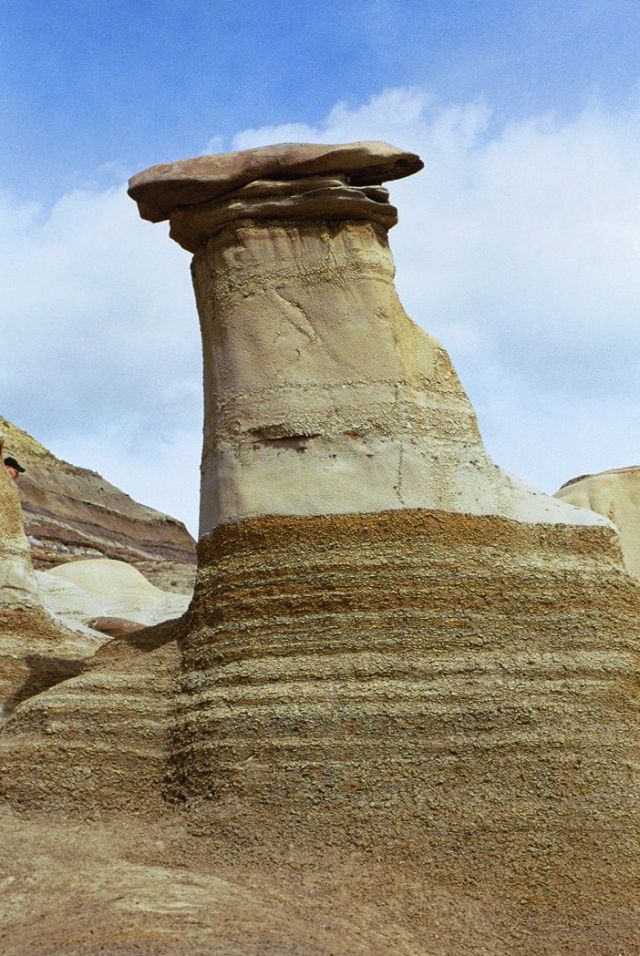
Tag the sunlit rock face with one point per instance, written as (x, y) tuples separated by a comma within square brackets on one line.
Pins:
[(396, 655), (616, 495), (18, 584), (390, 637), (321, 395)]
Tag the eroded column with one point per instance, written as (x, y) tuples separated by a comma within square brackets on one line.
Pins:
[(321, 396)]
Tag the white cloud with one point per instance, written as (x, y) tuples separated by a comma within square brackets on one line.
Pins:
[(100, 341), (519, 247)]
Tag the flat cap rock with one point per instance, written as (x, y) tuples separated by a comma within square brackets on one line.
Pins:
[(160, 189)]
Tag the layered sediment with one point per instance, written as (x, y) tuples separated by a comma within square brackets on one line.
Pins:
[(73, 513), (101, 738), (615, 494), (35, 650), (400, 687), (404, 675)]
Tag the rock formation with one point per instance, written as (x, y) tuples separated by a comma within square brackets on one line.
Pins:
[(35, 651), (616, 495), (71, 512), (405, 691), (17, 581), (80, 592), (321, 396)]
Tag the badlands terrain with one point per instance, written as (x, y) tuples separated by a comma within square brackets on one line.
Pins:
[(72, 513), (400, 713)]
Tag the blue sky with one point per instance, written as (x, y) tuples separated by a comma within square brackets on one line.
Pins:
[(91, 82), (518, 246)]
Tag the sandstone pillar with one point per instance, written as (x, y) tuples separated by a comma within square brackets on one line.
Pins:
[(321, 396), (393, 646)]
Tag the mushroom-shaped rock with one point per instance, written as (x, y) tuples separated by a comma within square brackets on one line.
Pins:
[(160, 189), (395, 652), (321, 395)]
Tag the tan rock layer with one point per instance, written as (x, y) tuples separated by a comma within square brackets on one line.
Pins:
[(447, 688), (99, 740), (36, 653), (17, 581), (457, 691), (321, 395), (488, 633)]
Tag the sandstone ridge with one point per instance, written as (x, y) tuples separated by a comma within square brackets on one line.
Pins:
[(71, 512)]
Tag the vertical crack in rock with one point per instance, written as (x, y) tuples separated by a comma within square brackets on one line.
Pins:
[(296, 316)]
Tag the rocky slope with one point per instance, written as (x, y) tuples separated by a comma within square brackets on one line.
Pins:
[(616, 495), (71, 512), (36, 651)]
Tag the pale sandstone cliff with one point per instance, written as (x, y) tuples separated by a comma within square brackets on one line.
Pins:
[(407, 725), (72, 512), (616, 495), (321, 395)]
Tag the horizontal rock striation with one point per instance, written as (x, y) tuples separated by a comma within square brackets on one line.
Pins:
[(392, 650), (616, 495), (101, 739), (397, 656), (414, 686), (72, 512)]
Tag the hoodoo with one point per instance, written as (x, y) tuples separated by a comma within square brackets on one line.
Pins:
[(404, 675), (321, 396)]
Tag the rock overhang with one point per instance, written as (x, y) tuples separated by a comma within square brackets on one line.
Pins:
[(159, 190)]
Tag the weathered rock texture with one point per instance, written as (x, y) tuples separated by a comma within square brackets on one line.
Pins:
[(18, 584), (108, 727), (80, 591), (35, 651), (616, 495), (416, 712), (321, 396), (71, 512), (451, 697)]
